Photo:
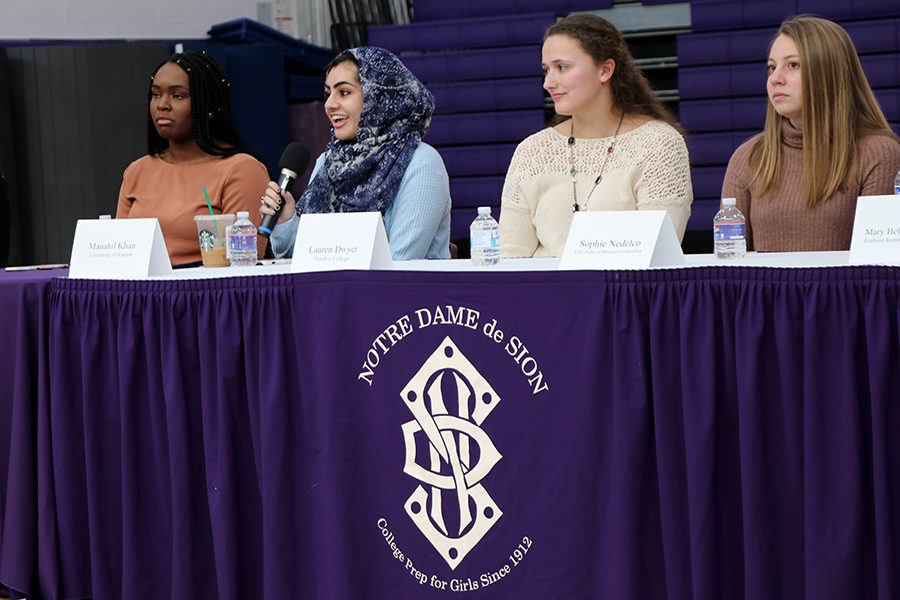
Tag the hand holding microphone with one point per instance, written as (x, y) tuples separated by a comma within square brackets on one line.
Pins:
[(292, 163)]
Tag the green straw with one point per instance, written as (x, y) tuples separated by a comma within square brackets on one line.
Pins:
[(207, 202)]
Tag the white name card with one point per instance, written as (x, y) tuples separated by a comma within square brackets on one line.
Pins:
[(118, 249), (336, 241), (622, 239), (876, 231)]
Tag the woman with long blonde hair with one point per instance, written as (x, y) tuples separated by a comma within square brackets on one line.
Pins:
[(825, 143)]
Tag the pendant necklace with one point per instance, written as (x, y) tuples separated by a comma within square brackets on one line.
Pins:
[(571, 142)]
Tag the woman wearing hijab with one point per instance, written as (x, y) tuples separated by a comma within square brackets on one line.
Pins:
[(376, 160)]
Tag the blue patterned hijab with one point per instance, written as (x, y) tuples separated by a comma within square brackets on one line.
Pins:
[(364, 174)]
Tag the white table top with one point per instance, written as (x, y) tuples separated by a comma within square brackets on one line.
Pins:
[(752, 259)]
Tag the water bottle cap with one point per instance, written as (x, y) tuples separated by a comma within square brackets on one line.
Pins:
[(729, 201), (243, 214), (484, 211)]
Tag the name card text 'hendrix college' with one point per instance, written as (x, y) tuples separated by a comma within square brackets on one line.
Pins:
[(336, 241)]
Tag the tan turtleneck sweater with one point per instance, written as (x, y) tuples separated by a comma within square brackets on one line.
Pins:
[(779, 222)]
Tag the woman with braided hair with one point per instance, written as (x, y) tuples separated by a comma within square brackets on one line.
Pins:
[(193, 150)]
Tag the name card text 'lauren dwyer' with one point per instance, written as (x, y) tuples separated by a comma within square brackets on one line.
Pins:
[(458, 316), (336, 241), (118, 248), (621, 240), (876, 231)]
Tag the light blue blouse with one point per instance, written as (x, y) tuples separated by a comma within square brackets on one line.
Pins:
[(418, 221)]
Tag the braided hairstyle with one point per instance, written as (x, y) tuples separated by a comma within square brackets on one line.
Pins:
[(631, 91), (216, 135)]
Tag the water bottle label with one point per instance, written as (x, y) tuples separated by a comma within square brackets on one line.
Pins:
[(241, 242), (896, 189), (485, 239), (728, 232)]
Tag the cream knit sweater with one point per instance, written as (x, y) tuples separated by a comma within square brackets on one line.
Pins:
[(647, 170), (779, 222)]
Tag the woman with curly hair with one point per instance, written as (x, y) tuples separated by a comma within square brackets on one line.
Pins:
[(613, 145)]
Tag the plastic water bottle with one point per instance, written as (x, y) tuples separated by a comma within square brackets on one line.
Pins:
[(242, 241), (729, 231), (485, 238), (897, 183)]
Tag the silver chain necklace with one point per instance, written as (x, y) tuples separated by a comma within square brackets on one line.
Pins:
[(571, 142)]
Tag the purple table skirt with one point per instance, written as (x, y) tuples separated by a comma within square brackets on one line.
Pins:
[(699, 433), (24, 319)]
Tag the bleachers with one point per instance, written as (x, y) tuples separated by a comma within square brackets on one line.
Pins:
[(485, 127), (457, 96), (447, 34), (434, 10), (737, 15)]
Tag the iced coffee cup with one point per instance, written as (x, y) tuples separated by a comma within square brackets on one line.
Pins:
[(211, 230)]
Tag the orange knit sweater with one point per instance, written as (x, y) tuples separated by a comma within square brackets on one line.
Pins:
[(779, 222), (173, 194)]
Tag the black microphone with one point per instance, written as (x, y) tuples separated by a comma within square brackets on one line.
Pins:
[(293, 163)]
